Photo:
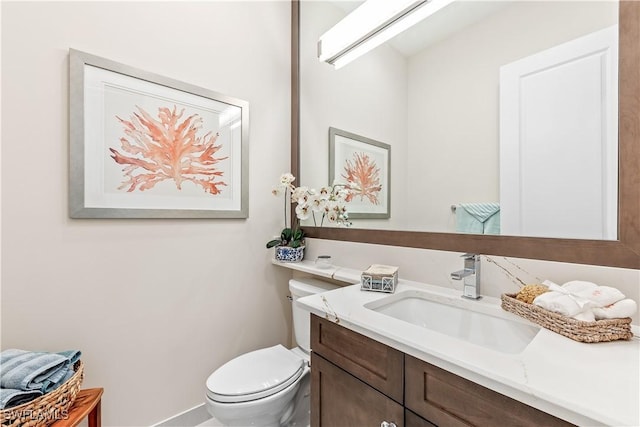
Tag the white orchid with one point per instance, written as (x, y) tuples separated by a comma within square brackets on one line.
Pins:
[(291, 235), (303, 211), (286, 179), (329, 201), (325, 192), (301, 195), (317, 202)]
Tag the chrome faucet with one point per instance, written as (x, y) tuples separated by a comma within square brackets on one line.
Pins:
[(470, 276)]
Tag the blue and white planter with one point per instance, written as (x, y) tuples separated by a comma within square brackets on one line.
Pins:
[(289, 254)]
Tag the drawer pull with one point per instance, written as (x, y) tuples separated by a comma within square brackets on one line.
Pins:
[(387, 424)]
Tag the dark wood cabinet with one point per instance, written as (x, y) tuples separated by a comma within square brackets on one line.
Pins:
[(357, 381), (449, 400), (379, 365), (413, 420), (341, 400)]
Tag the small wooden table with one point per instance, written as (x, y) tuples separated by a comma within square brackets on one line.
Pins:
[(87, 404)]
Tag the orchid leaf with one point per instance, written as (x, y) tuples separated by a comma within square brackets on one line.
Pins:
[(298, 234), (273, 243)]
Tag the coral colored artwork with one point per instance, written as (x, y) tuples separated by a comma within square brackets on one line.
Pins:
[(142, 145), (363, 178), (168, 146), (362, 166)]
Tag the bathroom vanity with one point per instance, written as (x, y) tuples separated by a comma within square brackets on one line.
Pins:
[(360, 381), (379, 357)]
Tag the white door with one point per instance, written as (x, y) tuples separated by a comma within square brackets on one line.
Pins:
[(559, 140)]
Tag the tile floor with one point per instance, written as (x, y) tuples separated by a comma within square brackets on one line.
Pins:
[(211, 422)]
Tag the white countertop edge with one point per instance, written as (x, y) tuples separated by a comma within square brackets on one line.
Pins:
[(307, 267)]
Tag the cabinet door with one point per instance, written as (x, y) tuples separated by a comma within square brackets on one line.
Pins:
[(378, 365), (412, 420), (446, 399), (340, 399)]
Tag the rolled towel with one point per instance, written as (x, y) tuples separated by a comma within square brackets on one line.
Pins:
[(577, 296), (559, 302), (625, 308), (585, 316), (599, 296), (27, 370), (11, 397)]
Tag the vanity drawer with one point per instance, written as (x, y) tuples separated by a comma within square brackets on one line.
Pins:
[(378, 365), (340, 399), (447, 399), (412, 420)]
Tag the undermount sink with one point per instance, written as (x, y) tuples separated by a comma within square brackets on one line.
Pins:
[(485, 327)]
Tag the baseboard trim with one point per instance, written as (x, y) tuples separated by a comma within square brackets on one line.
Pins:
[(189, 418)]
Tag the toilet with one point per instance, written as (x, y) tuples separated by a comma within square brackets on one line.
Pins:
[(263, 387)]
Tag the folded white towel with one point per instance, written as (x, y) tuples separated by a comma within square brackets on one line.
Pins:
[(381, 270), (559, 303), (599, 296), (579, 299), (585, 316), (624, 308)]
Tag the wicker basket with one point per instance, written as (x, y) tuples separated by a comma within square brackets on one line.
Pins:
[(48, 408), (578, 330)]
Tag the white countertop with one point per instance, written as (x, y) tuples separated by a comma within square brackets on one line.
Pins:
[(586, 384)]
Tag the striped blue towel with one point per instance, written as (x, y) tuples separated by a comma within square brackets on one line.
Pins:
[(478, 218), (481, 211), (11, 397), (28, 371)]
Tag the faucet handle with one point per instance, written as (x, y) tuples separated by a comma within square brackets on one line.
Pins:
[(469, 255)]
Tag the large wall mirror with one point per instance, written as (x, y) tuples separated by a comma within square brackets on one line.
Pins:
[(469, 103)]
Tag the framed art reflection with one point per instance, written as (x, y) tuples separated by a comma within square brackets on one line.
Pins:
[(362, 165)]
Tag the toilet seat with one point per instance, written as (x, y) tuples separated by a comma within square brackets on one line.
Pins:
[(255, 375)]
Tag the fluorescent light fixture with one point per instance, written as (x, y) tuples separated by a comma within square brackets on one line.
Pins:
[(371, 24)]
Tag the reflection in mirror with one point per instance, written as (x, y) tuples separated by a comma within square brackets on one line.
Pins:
[(490, 127)]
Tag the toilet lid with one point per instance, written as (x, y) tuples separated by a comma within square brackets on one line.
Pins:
[(255, 375)]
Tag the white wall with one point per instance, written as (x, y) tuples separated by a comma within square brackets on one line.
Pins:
[(154, 305), (367, 97), (453, 103)]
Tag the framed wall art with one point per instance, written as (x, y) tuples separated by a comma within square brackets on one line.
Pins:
[(363, 166), (147, 146)]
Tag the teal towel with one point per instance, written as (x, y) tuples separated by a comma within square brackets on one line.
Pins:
[(467, 223), (72, 355), (492, 225), (478, 218), (11, 397), (28, 370)]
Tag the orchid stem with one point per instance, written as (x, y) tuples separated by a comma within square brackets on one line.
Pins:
[(286, 191)]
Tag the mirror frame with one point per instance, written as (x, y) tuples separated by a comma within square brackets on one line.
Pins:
[(624, 252)]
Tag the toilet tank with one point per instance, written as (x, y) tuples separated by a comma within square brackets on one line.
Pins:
[(301, 317)]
